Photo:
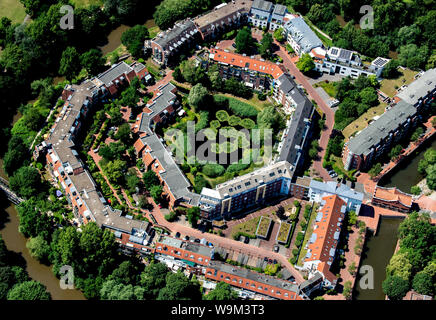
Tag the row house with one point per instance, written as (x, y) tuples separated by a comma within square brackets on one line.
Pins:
[(154, 154), (171, 42), (363, 150), (392, 199), (184, 250), (249, 280), (224, 17), (255, 73), (300, 36), (266, 15), (63, 161), (321, 247)]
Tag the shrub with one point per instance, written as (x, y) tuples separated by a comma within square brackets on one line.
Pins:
[(222, 115), (213, 170), (248, 123), (215, 124), (234, 121)]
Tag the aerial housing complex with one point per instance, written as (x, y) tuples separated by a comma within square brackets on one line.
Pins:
[(65, 165), (266, 15), (187, 33), (367, 146)]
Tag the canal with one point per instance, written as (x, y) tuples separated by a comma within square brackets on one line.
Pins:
[(15, 241), (378, 251), (406, 174)]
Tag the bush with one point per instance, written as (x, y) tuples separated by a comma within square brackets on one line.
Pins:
[(213, 170), (171, 216), (215, 124), (222, 115), (234, 121), (248, 123)]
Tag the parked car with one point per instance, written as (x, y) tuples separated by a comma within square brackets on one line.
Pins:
[(276, 248), (265, 259), (197, 240), (275, 261), (177, 234), (186, 238), (246, 240)]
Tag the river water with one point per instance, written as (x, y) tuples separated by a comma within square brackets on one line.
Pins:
[(16, 242), (406, 174), (377, 253)]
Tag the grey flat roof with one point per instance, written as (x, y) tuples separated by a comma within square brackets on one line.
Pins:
[(262, 5), (295, 133), (340, 189), (419, 88), (279, 9), (179, 29), (254, 276), (216, 15), (114, 72), (381, 128), (302, 34)]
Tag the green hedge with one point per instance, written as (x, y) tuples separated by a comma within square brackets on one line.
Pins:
[(222, 115), (248, 123)]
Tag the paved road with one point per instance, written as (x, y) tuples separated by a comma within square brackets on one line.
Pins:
[(226, 243), (329, 114)]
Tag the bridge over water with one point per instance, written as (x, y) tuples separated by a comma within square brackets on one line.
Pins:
[(12, 196)]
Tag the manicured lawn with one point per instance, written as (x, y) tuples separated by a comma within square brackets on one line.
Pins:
[(13, 9), (308, 234), (363, 121), (248, 227), (253, 101), (388, 86), (329, 87), (86, 3)]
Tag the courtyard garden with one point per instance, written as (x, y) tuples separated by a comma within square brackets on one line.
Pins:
[(263, 227), (223, 124)]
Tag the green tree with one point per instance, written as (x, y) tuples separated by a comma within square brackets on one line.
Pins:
[(92, 61), (70, 63), (390, 71), (112, 290), (29, 290), (400, 266), (123, 133), (375, 170), (395, 287), (222, 291), (179, 287), (153, 279), (269, 118), (266, 46), (133, 39), (279, 34), (305, 63), (114, 170), (156, 193), (39, 248), (415, 190), (244, 41), (193, 214), (26, 181), (150, 179), (423, 283), (347, 292), (198, 96), (431, 176)]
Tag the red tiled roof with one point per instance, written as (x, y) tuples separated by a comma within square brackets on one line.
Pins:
[(246, 62), (393, 195)]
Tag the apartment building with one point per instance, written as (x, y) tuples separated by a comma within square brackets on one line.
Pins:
[(363, 150), (184, 250), (189, 32), (299, 35), (321, 248), (151, 149), (346, 63), (173, 41), (64, 164), (352, 197), (222, 18), (392, 199), (255, 73), (252, 281), (265, 14), (246, 191)]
